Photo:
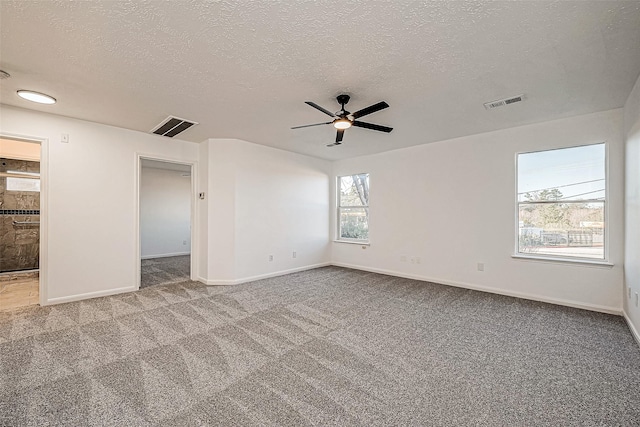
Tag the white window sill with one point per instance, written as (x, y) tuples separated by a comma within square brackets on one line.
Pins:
[(353, 242), (553, 260)]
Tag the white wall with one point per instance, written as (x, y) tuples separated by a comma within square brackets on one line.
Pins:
[(632, 208), (450, 203), (165, 213), (453, 205), (264, 201), (91, 215), (202, 207)]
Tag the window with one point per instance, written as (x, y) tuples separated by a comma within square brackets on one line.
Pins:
[(561, 202), (353, 207)]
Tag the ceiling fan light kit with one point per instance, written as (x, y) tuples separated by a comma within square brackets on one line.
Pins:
[(344, 119), (342, 124)]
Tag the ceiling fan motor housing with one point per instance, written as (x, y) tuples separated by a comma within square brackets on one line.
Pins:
[(342, 100)]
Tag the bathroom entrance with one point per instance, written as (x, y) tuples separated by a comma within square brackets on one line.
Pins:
[(19, 223)]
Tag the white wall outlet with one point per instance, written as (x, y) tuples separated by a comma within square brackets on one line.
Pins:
[(636, 299), (413, 260), (481, 266), (270, 257), (295, 254), (64, 138), (403, 258), (418, 260), (184, 242)]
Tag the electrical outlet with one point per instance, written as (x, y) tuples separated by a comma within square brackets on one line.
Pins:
[(295, 254), (403, 258), (413, 260), (184, 242), (270, 257), (64, 138), (636, 299), (418, 260), (481, 266)]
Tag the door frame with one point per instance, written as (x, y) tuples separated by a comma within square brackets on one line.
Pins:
[(43, 261), (193, 214)]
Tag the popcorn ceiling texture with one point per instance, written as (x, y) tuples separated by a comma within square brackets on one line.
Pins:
[(244, 68)]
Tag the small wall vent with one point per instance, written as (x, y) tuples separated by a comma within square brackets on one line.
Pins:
[(502, 102), (171, 126)]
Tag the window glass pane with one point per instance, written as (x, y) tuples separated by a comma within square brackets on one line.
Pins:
[(561, 202), (354, 190), (562, 229), (354, 223), (23, 184), (576, 173)]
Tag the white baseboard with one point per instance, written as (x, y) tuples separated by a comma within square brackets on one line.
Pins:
[(557, 301), (78, 297), (261, 276), (165, 255), (634, 331)]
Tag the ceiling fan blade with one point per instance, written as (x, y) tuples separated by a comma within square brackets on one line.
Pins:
[(339, 136), (372, 126), (317, 107), (370, 109), (315, 124)]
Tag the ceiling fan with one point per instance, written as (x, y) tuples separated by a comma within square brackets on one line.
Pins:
[(343, 119)]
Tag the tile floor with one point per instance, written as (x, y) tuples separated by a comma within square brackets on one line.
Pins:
[(18, 292)]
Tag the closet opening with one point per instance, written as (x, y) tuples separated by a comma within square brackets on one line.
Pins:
[(165, 221)]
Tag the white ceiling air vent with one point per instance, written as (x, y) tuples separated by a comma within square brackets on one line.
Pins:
[(171, 126), (503, 102)]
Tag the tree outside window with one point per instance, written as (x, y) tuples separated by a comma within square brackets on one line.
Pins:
[(561, 202), (353, 207)]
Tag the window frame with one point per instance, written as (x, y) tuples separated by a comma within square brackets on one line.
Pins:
[(564, 258), (339, 208)]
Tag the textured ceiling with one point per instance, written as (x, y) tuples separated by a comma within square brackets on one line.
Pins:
[(243, 69)]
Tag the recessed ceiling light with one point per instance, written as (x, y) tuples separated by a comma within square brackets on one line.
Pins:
[(38, 97)]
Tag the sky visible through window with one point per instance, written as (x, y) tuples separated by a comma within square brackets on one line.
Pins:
[(578, 172)]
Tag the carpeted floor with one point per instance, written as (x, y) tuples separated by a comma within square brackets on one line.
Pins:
[(162, 271), (329, 346)]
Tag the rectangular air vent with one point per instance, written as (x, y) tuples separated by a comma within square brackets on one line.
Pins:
[(503, 102), (171, 126)]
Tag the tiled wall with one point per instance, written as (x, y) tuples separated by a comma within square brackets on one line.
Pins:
[(19, 243)]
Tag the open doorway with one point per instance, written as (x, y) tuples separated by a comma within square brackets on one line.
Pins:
[(165, 212), (20, 200)]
